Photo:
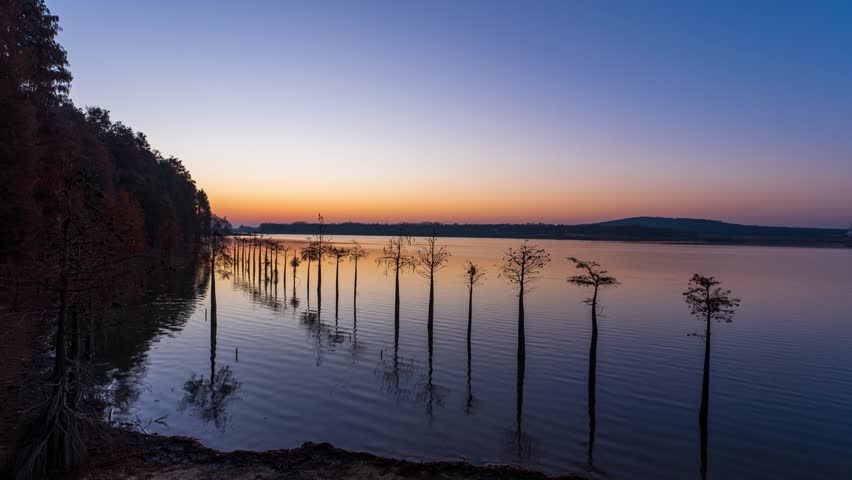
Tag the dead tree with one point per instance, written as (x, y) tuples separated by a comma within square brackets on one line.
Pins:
[(709, 302), (430, 257), (473, 276), (522, 267), (395, 258), (356, 253), (595, 277)]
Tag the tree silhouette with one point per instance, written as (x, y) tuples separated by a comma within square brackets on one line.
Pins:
[(321, 247), (430, 257), (522, 267), (285, 252), (294, 263), (338, 253), (395, 258), (310, 254), (356, 253), (708, 301), (592, 276), (473, 276)]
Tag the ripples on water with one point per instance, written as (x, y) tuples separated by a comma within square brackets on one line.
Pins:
[(287, 369)]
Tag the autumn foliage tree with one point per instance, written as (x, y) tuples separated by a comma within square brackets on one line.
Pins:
[(83, 199)]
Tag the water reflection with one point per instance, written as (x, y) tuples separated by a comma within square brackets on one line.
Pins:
[(396, 385), (522, 442), (209, 397)]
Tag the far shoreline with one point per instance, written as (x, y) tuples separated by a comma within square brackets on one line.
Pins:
[(732, 242)]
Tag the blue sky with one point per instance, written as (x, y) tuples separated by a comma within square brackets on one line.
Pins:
[(485, 111)]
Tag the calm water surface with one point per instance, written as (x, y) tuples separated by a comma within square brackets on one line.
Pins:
[(287, 368)]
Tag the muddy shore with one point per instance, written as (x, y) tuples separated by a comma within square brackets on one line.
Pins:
[(139, 456)]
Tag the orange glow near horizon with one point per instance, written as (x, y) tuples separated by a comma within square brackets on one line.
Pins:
[(577, 204)]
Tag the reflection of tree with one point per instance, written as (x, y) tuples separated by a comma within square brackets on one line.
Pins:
[(430, 393), (408, 381), (162, 309), (470, 401), (396, 373), (521, 443), (266, 297), (325, 337), (209, 398)]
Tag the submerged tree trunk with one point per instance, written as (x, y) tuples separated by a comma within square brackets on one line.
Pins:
[(355, 289), (469, 315), (319, 269), (396, 298), (522, 350), (593, 358), (336, 287), (308, 289), (431, 321), (705, 400)]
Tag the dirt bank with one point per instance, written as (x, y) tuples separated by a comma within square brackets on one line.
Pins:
[(138, 456)]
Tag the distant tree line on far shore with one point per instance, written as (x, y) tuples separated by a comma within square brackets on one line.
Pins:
[(648, 229)]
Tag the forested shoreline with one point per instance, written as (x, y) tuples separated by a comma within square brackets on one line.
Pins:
[(89, 208)]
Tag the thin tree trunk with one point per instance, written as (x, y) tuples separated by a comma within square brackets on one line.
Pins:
[(319, 271), (705, 400), (396, 297), (469, 315), (431, 322), (522, 340), (593, 360), (355, 289)]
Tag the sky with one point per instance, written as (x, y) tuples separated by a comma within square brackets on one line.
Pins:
[(480, 112)]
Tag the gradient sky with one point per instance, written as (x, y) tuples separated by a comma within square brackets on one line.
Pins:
[(484, 111)]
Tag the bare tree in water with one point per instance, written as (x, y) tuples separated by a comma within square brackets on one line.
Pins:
[(309, 254), (522, 267), (592, 276), (356, 253), (294, 263), (395, 258), (285, 252), (431, 257), (338, 253), (473, 276), (709, 302), (321, 247)]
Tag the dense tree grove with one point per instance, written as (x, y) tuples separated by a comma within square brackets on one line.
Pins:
[(54, 154), (83, 199)]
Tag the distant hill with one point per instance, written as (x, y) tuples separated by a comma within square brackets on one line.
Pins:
[(638, 229), (715, 228)]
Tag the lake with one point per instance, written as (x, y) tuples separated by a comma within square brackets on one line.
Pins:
[(287, 368)]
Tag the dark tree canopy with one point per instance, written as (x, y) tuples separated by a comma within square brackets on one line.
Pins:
[(473, 274), (593, 276), (707, 300), (523, 266)]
